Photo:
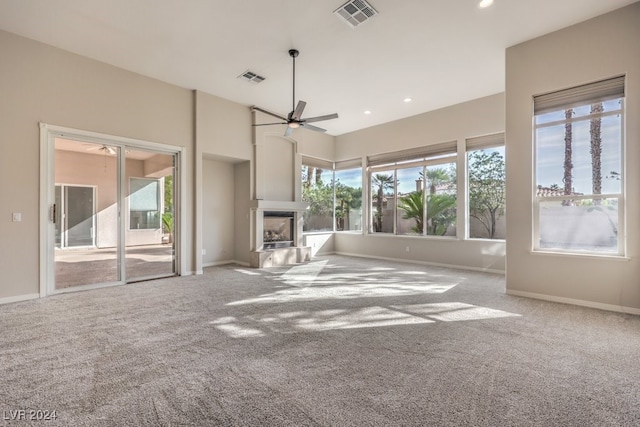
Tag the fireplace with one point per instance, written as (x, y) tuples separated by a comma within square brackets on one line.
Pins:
[(278, 231)]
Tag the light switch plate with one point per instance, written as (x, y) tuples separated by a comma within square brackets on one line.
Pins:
[(16, 217)]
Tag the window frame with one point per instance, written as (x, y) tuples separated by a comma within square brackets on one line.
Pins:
[(333, 167), (431, 155), (345, 166), (159, 202), (581, 101), (485, 142)]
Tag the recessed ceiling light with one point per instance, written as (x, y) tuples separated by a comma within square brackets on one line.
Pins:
[(367, 112), (408, 100), (485, 3)]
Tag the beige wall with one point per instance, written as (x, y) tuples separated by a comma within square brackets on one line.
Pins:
[(223, 136), (606, 46), (42, 84), (218, 218), (456, 123), (242, 179)]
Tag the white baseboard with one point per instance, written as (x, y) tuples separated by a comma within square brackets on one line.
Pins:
[(190, 273), (217, 263), (434, 264), (18, 298), (573, 301)]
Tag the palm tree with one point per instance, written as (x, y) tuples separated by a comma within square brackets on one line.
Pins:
[(413, 206), (568, 163), (435, 178), (310, 173), (596, 151), (441, 213), (383, 182), (345, 198)]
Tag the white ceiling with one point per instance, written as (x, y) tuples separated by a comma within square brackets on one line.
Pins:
[(438, 52)]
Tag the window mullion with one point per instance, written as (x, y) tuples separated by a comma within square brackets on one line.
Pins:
[(395, 201), (424, 200)]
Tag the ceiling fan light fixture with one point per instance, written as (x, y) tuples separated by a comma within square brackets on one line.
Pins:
[(294, 125), (485, 3)]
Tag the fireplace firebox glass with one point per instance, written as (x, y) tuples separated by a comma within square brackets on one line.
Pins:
[(278, 229)]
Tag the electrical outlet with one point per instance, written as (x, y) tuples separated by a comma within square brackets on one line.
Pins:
[(204, 252), (407, 249), (16, 217)]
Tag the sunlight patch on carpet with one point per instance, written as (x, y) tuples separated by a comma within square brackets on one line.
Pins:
[(303, 275), (453, 311), (366, 317), (247, 272), (369, 290), (324, 320)]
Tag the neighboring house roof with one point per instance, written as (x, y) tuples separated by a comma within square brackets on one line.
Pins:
[(553, 192)]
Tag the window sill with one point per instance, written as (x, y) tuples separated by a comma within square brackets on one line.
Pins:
[(580, 256), (412, 236), (485, 240)]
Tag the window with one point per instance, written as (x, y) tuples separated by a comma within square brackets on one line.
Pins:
[(317, 190), (332, 195), (579, 200), (348, 196), (383, 196), (413, 192), (486, 187), (144, 203)]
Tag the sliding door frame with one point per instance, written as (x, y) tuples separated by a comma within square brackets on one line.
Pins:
[(48, 134)]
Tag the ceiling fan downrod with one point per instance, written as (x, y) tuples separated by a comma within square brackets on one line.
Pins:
[(293, 53)]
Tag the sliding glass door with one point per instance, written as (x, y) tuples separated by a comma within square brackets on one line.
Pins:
[(85, 214), (112, 213), (149, 215)]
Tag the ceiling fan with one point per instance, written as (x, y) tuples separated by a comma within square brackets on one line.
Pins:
[(104, 148), (294, 119)]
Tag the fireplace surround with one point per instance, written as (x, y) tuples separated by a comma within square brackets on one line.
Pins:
[(277, 233)]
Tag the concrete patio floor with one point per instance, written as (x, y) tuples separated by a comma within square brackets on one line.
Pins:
[(77, 267)]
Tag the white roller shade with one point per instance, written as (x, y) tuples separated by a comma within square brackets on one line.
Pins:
[(599, 91), (486, 141), (348, 164), (317, 163), (413, 154)]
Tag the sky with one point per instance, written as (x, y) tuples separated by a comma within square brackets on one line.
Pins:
[(550, 148)]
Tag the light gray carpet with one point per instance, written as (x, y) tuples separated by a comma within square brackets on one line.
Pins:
[(336, 342)]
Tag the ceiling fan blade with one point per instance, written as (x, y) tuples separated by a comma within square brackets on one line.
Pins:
[(297, 113), (277, 116), (321, 118), (288, 131), (269, 124), (312, 127)]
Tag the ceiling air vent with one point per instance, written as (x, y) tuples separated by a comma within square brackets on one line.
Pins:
[(252, 77), (355, 12)]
